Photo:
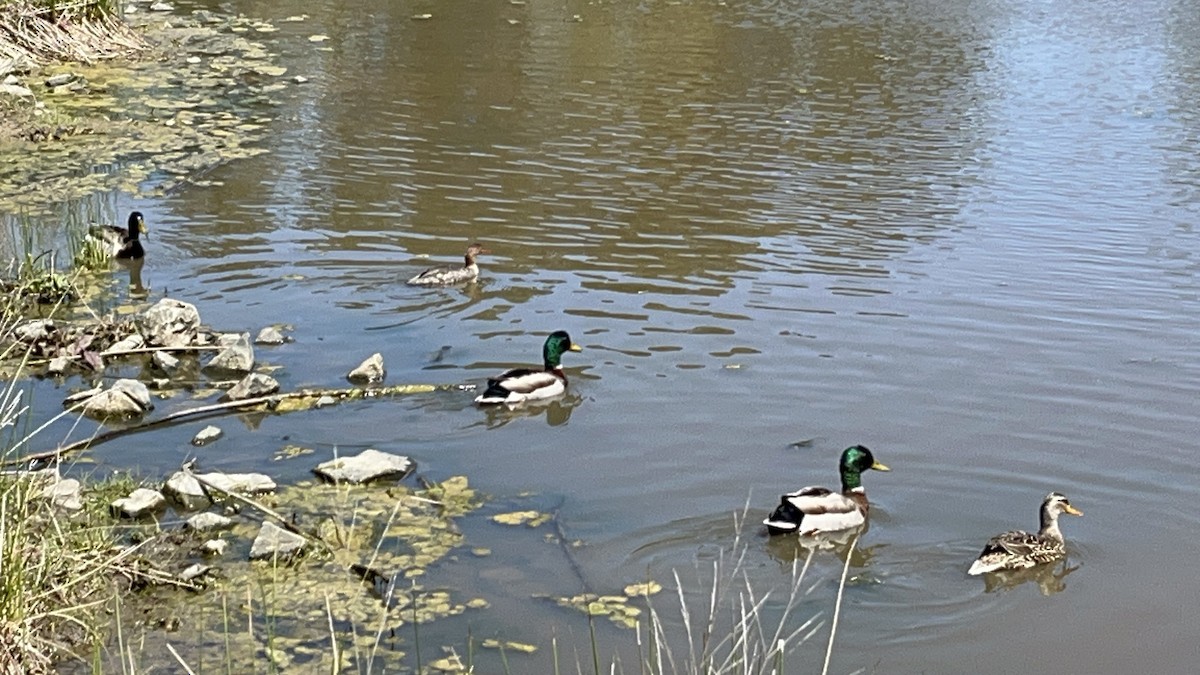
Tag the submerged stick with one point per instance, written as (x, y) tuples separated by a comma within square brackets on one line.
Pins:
[(305, 399)]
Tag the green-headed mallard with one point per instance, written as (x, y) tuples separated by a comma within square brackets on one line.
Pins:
[(442, 276), (814, 509), (1018, 550), (121, 242), (523, 384)]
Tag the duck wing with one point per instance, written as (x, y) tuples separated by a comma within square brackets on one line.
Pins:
[(1014, 542), (433, 275), (108, 237), (814, 509), (1014, 550)]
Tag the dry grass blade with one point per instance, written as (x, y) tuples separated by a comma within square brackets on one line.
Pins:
[(837, 607), (85, 31), (737, 635)]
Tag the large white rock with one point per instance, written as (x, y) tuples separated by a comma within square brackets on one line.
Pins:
[(170, 323), (252, 386), (64, 494), (184, 488), (237, 355), (366, 466), (139, 502), (125, 398), (369, 371), (207, 435), (207, 520), (273, 540)]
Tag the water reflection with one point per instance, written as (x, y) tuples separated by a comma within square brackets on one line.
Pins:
[(1049, 579), (556, 411), (787, 549), (133, 266)]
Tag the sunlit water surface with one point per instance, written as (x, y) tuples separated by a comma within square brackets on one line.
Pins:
[(961, 234)]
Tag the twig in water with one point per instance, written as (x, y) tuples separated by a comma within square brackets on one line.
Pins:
[(269, 403)]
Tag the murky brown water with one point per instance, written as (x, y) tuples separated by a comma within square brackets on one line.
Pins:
[(963, 235)]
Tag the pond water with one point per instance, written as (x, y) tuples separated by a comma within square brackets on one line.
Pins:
[(961, 234)]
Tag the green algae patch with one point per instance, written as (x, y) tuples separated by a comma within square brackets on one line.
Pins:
[(644, 589), (527, 518), (508, 645), (615, 608), (357, 586)]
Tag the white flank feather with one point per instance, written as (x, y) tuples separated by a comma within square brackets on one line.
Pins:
[(438, 276), (536, 385)]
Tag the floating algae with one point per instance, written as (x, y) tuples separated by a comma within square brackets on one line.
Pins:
[(357, 579)]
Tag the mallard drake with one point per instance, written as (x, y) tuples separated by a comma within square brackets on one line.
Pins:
[(121, 242), (814, 509), (522, 384), (1018, 550), (442, 276)]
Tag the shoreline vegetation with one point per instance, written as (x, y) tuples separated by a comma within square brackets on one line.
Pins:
[(79, 575), (44, 31), (38, 33)]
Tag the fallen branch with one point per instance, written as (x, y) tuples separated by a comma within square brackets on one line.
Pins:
[(305, 399)]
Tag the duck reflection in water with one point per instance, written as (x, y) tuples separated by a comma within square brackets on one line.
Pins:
[(788, 549), (557, 411), (1050, 579), (134, 267)]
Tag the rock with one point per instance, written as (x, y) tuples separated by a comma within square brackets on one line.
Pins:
[(125, 398), (58, 365), (203, 522), (32, 331), (238, 355), (64, 494), (139, 502), (161, 7), (214, 547), (194, 572), (252, 386), (300, 79), (15, 90), (170, 323), (325, 400), (369, 371), (273, 541), (366, 466), (134, 341), (60, 79), (165, 362), (270, 336), (185, 489), (207, 435)]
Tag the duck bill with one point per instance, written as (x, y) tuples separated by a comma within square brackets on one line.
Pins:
[(143, 229), (1072, 510), (880, 466), (575, 348)]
